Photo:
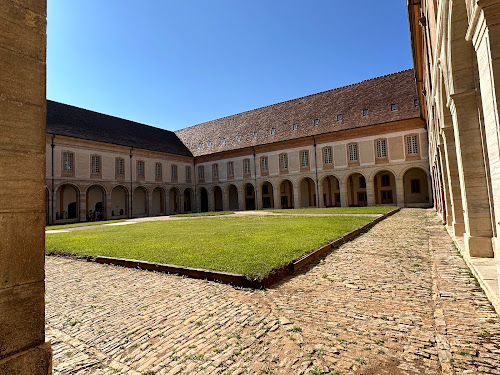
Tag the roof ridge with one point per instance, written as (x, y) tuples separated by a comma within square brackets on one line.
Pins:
[(299, 98)]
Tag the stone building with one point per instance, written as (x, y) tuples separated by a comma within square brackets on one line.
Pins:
[(363, 144)]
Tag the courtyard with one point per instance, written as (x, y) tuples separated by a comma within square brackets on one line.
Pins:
[(396, 300)]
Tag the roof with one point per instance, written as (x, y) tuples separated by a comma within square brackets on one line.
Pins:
[(66, 120), (376, 95)]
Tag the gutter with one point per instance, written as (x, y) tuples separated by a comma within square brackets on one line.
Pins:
[(52, 145)]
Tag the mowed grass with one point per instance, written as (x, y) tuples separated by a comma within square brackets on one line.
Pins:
[(212, 213), (85, 224), (377, 210), (249, 245)]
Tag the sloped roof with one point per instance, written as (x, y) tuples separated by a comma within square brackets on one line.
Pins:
[(375, 94), (70, 121)]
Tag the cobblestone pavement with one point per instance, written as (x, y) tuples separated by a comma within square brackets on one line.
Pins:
[(397, 300)]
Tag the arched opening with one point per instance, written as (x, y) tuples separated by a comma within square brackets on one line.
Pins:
[(174, 201), (187, 200), (249, 194), (217, 193), (95, 199), (384, 188), (158, 196), (286, 194), (266, 190), (232, 192), (356, 184), (416, 188), (67, 204), (119, 201), (331, 191), (140, 202), (307, 193), (204, 200)]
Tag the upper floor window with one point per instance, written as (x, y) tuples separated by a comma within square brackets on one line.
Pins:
[(174, 172), (283, 162), (316, 122), (328, 156), (381, 149), (304, 159), (412, 145), (201, 172), (295, 126), (68, 164), (238, 138), (394, 107), (199, 145), (264, 164), (353, 152), (273, 130), (120, 167), (365, 112), (223, 141), (96, 164), (339, 117), (209, 143), (158, 170), (415, 102), (246, 166), (188, 174), (255, 134), (140, 168), (230, 169), (215, 170)]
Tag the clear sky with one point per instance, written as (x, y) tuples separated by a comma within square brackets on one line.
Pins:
[(178, 63)]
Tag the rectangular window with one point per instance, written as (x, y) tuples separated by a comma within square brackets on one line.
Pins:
[(353, 152), (264, 164), (157, 170), (283, 162), (246, 166), (386, 180), (174, 172), (230, 169), (339, 117), (394, 107), (295, 126), (365, 112), (96, 164), (316, 122), (120, 167), (328, 156), (188, 174), (68, 162), (412, 145), (304, 159), (362, 182), (215, 170), (381, 148), (415, 186), (140, 168), (201, 172)]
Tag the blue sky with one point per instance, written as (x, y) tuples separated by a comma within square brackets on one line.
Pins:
[(174, 64)]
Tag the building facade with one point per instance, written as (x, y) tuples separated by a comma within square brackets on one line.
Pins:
[(363, 144)]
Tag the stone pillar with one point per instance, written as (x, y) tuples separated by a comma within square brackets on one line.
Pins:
[(444, 178), (472, 175), (400, 192), (149, 202), (241, 198), (211, 200), (277, 196), (344, 201), (321, 202), (23, 349), (82, 206), (181, 200), (107, 197), (296, 197), (370, 193), (225, 199)]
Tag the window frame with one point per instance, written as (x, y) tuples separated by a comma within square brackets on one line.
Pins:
[(99, 172), (383, 177), (117, 174), (66, 173), (412, 190), (349, 161), (381, 159), (230, 169), (246, 162), (188, 173), (201, 173), (364, 112), (174, 173), (412, 156), (283, 157), (215, 172), (137, 169), (158, 176), (264, 166), (325, 164), (304, 154)]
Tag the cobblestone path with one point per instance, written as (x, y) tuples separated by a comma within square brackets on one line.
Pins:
[(398, 300)]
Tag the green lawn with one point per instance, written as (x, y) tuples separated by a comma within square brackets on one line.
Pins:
[(250, 245), (377, 210), (213, 213), (85, 224)]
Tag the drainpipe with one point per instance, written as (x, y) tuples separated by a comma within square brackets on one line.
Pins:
[(131, 192), (193, 176), (255, 180), (52, 145), (316, 168)]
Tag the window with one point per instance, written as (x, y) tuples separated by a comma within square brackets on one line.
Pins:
[(339, 117), (415, 102), (273, 130), (283, 162), (174, 172), (223, 141), (295, 126), (158, 170), (215, 170), (238, 138), (328, 156), (96, 164), (120, 167), (201, 173), (230, 169), (353, 152), (387, 197), (394, 107), (246, 166), (265, 189), (316, 122), (412, 145), (199, 145), (386, 180), (264, 164), (68, 161), (365, 112), (381, 149), (362, 182), (415, 186), (188, 174), (304, 159), (209, 143), (255, 134), (140, 168)]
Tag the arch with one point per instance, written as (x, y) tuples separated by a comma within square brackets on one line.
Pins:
[(158, 201), (232, 194), (331, 191), (217, 195), (384, 187), (248, 192), (307, 190), (67, 202), (416, 188), (286, 194), (119, 201), (203, 199), (356, 189), (188, 193), (140, 202), (174, 197), (267, 194), (95, 203)]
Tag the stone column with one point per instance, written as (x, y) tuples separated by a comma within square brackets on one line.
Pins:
[(321, 203), (444, 177), (23, 349), (370, 193), (149, 202), (344, 201), (277, 196), (241, 198), (296, 197), (107, 196), (400, 192), (211, 200), (82, 206), (225, 199)]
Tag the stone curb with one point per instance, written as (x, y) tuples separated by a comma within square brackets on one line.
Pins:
[(234, 278)]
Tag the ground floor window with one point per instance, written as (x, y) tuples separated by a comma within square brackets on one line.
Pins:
[(415, 186)]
